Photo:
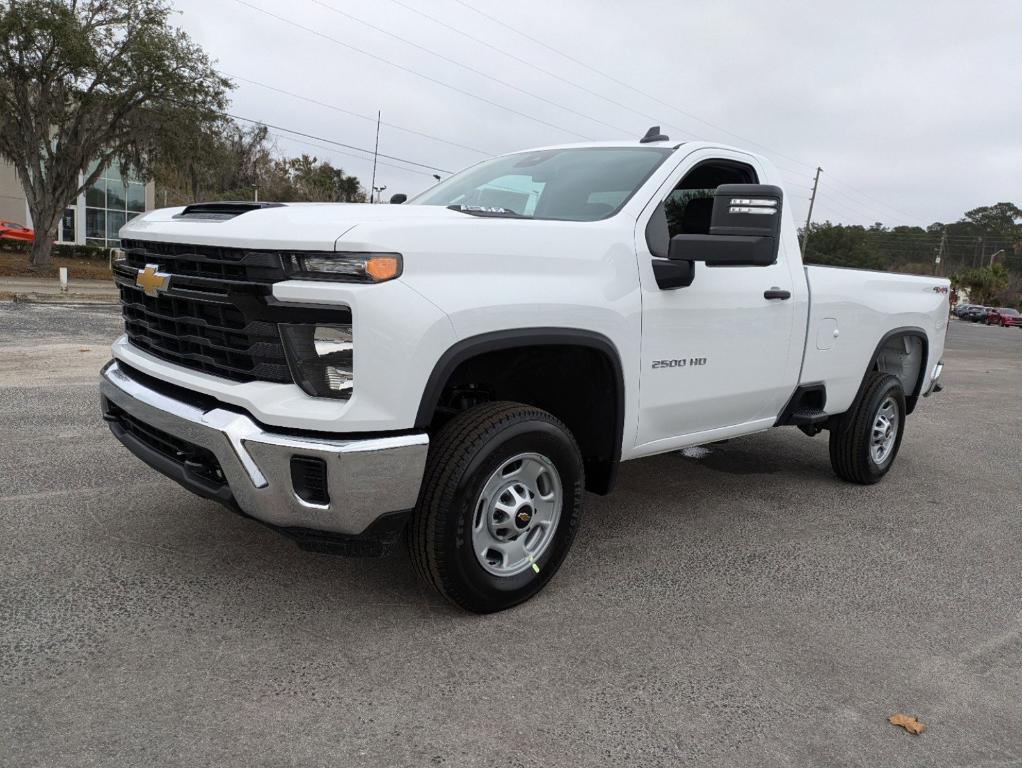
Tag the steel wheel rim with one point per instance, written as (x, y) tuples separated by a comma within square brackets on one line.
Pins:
[(884, 432), (516, 515)]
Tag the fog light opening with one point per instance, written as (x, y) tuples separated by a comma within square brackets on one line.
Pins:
[(321, 358), (309, 479)]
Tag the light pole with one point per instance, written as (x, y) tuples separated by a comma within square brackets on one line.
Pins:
[(992, 255), (379, 192)]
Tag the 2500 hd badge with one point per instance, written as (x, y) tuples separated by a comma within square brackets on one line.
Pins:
[(679, 363)]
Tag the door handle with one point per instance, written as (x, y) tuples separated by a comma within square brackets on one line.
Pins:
[(776, 293)]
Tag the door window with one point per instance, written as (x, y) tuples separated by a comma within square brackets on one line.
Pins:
[(689, 206)]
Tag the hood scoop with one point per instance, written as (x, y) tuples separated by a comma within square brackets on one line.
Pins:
[(221, 211)]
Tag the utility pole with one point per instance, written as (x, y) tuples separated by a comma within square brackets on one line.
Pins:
[(940, 252), (376, 151), (809, 216)]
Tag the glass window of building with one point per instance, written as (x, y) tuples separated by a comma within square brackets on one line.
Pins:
[(109, 204), (67, 226)]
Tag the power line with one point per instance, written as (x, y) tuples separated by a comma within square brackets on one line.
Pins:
[(857, 209), (623, 84), (411, 71), (881, 202), (331, 141), (660, 101), (542, 70), (469, 67), (348, 154), (356, 114)]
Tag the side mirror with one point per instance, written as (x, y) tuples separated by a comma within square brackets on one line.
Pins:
[(745, 229), (669, 274), (399, 198)]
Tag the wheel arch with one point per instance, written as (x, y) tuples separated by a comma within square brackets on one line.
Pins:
[(911, 379), (602, 449)]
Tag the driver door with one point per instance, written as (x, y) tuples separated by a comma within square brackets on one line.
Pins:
[(718, 357)]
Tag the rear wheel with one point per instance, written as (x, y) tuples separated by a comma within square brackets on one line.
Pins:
[(865, 440), (500, 503)]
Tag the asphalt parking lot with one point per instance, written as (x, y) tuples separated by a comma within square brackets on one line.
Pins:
[(741, 609)]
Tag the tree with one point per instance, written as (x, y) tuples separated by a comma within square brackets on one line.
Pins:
[(84, 81), (999, 220), (320, 181), (223, 161), (842, 246), (984, 284), (231, 163)]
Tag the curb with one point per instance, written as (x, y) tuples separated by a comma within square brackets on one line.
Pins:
[(73, 299)]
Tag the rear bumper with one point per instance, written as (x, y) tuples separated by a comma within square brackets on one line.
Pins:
[(935, 385), (224, 455)]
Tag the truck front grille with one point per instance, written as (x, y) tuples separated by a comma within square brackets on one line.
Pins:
[(208, 336), (209, 261), (215, 312), (207, 317)]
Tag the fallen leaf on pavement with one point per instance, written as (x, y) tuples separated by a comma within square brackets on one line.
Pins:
[(908, 722), (84, 349)]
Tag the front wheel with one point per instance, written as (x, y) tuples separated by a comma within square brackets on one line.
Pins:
[(499, 506), (866, 439)]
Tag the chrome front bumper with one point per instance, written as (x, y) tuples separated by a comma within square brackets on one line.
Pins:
[(366, 478)]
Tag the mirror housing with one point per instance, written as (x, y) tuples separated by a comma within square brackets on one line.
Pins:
[(745, 229), (399, 198)]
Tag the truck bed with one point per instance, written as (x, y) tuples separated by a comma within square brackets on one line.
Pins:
[(851, 314)]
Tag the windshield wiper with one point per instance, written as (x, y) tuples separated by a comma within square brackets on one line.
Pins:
[(489, 211)]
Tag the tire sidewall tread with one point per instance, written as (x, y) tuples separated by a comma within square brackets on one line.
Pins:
[(850, 438), (461, 456)]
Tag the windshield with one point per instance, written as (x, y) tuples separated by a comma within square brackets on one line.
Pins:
[(1008, 311), (582, 184)]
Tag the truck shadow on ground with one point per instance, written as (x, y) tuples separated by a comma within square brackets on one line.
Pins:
[(680, 490)]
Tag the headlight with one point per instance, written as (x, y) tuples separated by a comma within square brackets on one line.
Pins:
[(348, 267), (320, 358)]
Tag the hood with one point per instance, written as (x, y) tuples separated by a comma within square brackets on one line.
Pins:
[(299, 226)]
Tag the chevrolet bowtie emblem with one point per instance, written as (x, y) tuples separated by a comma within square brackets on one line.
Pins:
[(151, 280)]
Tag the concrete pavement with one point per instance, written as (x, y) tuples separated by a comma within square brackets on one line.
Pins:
[(745, 608)]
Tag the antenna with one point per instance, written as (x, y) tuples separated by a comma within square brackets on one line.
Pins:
[(653, 134)]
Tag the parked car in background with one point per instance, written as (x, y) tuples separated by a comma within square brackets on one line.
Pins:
[(976, 314), (1004, 316), (961, 309), (11, 231)]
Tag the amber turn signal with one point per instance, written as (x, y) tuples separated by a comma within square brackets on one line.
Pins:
[(381, 268)]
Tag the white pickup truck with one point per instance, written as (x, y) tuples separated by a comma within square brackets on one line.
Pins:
[(460, 368)]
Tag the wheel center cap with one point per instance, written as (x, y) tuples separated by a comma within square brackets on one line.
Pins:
[(523, 518)]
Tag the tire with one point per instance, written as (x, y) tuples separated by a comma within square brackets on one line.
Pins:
[(471, 487), (854, 455)]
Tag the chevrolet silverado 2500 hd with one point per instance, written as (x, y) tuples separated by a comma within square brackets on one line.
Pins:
[(460, 368)]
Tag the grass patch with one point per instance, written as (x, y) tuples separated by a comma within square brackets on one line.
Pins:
[(16, 265)]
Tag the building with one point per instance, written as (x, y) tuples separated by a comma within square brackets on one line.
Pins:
[(96, 216)]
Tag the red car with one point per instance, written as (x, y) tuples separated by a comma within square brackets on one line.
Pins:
[(1004, 316), (12, 231)]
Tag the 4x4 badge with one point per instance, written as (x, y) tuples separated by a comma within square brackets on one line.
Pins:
[(151, 280)]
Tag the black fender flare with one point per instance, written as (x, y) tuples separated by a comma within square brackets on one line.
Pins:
[(473, 346), (911, 398)]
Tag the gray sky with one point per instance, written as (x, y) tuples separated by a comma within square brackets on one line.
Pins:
[(912, 108)]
